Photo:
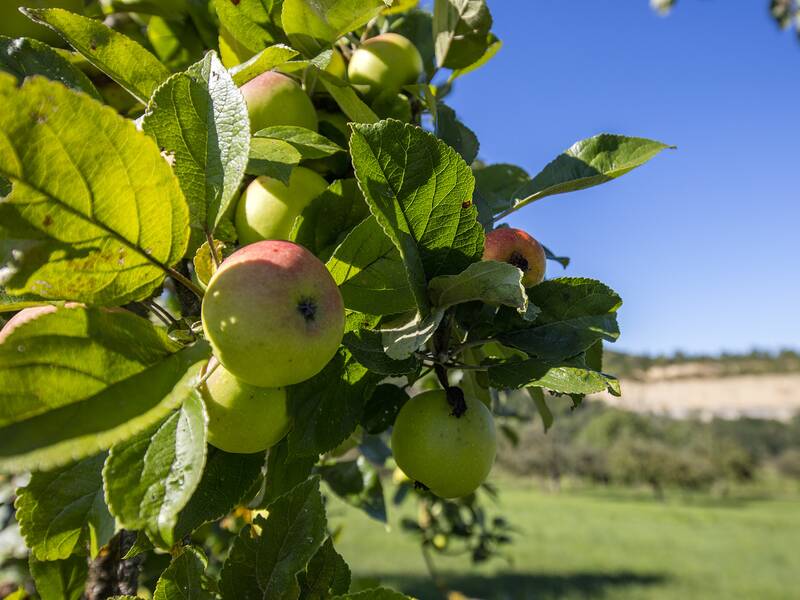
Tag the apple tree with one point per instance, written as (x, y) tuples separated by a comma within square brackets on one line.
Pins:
[(247, 251)]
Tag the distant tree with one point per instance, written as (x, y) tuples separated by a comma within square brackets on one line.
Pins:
[(785, 12)]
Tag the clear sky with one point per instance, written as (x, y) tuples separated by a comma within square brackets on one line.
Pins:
[(703, 243)]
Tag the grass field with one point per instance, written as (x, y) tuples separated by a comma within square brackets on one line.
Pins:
[(598, 544)]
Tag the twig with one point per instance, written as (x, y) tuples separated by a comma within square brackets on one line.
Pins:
[(185, 282), (159, 311), (456, 350)]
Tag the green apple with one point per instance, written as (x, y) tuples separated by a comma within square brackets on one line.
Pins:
[(336, 65), (518, 248), (275, 99), (14, 24), (273, 314), (384, 64), (243, 418), (267, 208), (450, 455)]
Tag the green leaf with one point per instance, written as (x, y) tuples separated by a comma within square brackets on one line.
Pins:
[(420, 191), (346, 97), (562, 260), (176, 42), (115, 54), (491, 282), (96, 221), (494, 189), (461, 30), (76, 381), (493, 45), (571, 378), (284, 472), (370, 273), (367, 348), (200, 119), (327, 574), (401, 342), (266, 60), (227, 480), (455, 133), (327, 408), (374, 594), (417, 26), (25, 57), (247, 27), (140, 545), (185, 578), (312, 25), (60, 579), (357, 483), (537, 394), (62, 511), (150, 477), (575, 313), (9, 303), (325, 222), (265, 565), (308, 143), (382, 408), (273, 158), (587, 163)]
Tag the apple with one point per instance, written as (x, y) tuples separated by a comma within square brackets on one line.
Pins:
[(518, 248), (336, 66), (450, 455), (384, 64), (14, 24), (267, 208), (273, 314), (275, 99), (243, 418)]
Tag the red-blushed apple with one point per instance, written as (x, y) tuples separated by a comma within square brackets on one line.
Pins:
[(243, 418), (267, 208), (384, 64), (273, 314), (518, 248), (450, 455), (275, 99)]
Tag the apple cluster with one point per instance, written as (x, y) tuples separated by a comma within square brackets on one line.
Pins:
[(274, 316)]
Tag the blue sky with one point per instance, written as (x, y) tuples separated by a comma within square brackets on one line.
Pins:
[(702, 243)]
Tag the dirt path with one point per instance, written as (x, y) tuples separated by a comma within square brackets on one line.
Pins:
[(762, 396)]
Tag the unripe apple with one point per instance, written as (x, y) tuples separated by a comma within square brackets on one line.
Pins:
[(14, 24), (384, 64), (450, 455), (518, 248), (275, 99), (273, 314), (267, 208), (243, 418), (336, 66)]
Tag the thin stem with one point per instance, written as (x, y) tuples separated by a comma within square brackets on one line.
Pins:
[(160, 313), (212, 366), (213, 249), (434, 574), (456, 350), (185, 282)]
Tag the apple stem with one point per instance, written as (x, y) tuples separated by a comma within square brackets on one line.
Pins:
[(211, 366)]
